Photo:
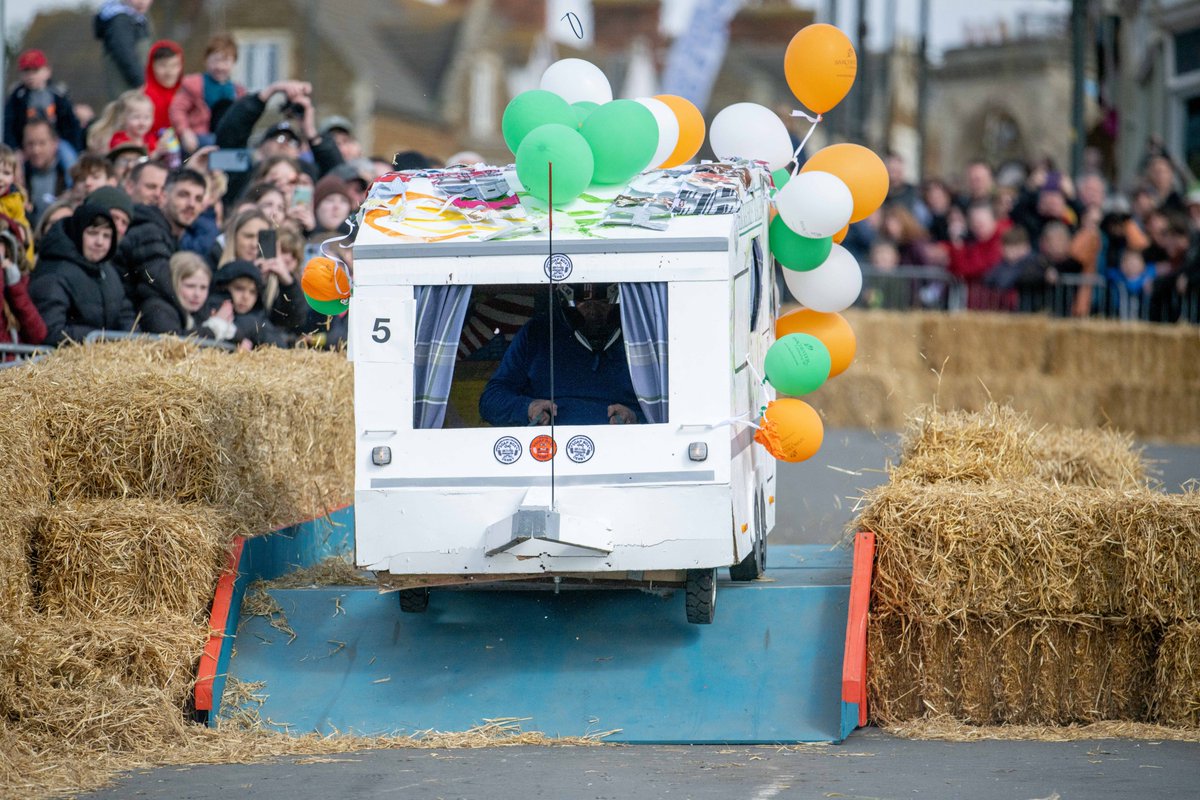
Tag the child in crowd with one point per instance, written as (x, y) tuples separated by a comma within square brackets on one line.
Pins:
[(91, 172), (177, 306), (35, 97), (202, 97), (127, 120), (20, 321), (163, 72), (1130, 284), (241, 283), (12, 198), (1017, 261)]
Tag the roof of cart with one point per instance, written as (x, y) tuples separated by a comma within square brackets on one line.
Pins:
[(482, 209)]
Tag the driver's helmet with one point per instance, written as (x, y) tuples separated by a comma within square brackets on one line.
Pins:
[(598, 333), (571, 294)]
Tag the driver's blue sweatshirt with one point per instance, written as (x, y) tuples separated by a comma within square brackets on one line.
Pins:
[(585, 383)]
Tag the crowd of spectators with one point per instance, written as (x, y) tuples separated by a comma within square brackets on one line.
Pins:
[(1030, 238), (123, 221), (117, 221)]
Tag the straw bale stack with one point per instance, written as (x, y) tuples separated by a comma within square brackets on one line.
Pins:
[(995, 444), (984, 344), (23, 472), (1089, 457), (1161, 539), (1165, 411), (121, 682), (1177, 676), (1130, 353), (17, 527), (988, 670), (129, 557)]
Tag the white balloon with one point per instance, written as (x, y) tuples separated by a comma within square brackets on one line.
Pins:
[(831, 287), (668, 128), (748, 130), (576, 80), (815, 204)]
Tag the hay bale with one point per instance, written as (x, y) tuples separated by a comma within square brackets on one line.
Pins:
[(23, 470), (123, 423), (1161, 538), (1089, 457), (1176, 699), (994, 548), (17, 527), (127, 558), (1132, 353), (121, 682), (993, 444), (293, 447), (989, 670), (984, 345), (1167, 411)]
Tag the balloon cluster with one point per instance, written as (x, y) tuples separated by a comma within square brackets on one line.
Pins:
[(839, 185), (570, 133), (326, 285)]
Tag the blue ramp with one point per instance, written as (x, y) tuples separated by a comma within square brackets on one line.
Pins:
[(768, 670)]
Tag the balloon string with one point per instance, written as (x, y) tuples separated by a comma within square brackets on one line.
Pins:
[(738, 420), (796, 155), (753, 371)]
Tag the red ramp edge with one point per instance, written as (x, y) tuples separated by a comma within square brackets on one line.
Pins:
[(854, 662), (218, 621)]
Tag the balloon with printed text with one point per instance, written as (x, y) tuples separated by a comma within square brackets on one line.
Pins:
[(820, 65), (790, 430), (832, 329), (797, 364)]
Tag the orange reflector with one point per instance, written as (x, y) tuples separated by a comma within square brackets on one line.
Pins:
[(771, 499), (745, 527)]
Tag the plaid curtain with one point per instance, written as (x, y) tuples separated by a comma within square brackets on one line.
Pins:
[(440, 314), (644, 326)]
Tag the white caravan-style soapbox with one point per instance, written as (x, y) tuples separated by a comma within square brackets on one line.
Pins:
[(447, 267)]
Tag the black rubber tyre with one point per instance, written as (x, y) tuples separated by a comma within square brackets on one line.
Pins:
[(413, 601), (701, 602)]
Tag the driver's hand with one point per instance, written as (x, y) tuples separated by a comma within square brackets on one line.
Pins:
[(540, 412), (620, 415)]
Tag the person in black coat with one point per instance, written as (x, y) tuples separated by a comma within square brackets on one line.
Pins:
[(177, 302), (74, 287), (154, 234), (241, 283)]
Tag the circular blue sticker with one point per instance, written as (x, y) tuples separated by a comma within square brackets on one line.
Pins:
[(580, 449), (507, 450), (558, 267)]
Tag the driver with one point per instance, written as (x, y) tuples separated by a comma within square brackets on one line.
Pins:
[(591, 375)]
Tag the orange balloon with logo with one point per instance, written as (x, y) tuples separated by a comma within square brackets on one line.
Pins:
[(820, 65), (832, 329), (691, 129), (860, 169), (324, 279), (790, 429)]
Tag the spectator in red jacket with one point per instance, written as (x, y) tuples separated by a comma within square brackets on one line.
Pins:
[(20, 322), (971, 259), (203, 96), (163, 71)]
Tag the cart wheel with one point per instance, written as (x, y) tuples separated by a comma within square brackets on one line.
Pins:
[(755, 563), (414, 601), (701, 601)]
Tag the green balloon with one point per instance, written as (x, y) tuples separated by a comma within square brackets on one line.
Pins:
[(797, 364), (330, 308), (797, 252), (583, 109), (530, 110), (623, 136), (781, 177), (557, 149)]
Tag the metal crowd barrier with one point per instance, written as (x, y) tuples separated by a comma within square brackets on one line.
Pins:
[(12, 355), (912, 288), (117, 336)]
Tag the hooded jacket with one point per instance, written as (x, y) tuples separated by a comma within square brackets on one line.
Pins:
[(125, 35), (76, 296), (17, 113), (255, 325), (189, 112), (160, 95), (146, 248)]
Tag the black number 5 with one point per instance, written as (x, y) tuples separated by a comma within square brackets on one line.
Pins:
[(381, 332)]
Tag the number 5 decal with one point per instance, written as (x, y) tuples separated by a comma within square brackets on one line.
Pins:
[(381, 332)]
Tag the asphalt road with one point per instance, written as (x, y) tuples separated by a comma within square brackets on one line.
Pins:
[(869, 765)]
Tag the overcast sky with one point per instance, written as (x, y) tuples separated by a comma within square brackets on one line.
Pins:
[(947, 29)]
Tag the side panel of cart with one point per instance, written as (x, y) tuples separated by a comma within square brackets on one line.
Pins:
[(628, 499)]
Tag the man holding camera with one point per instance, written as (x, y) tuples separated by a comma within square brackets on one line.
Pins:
[(295, 135)]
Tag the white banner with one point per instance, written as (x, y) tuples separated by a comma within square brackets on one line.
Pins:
[(698, 53)]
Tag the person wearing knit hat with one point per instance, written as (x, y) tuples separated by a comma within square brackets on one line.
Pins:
[(118, 205), (332, 205)]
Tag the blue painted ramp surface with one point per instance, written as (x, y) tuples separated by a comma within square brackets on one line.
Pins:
[(768, 670)]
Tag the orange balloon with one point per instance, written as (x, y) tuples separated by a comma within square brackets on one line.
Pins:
[(820, 65), (832, 329), (790, 429), (840, 236), (324, 279), (860, 169), (691, 129)]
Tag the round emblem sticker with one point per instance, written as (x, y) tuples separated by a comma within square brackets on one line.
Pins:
[(580, 449), (543, 448), (558, 267), (506, 450)]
